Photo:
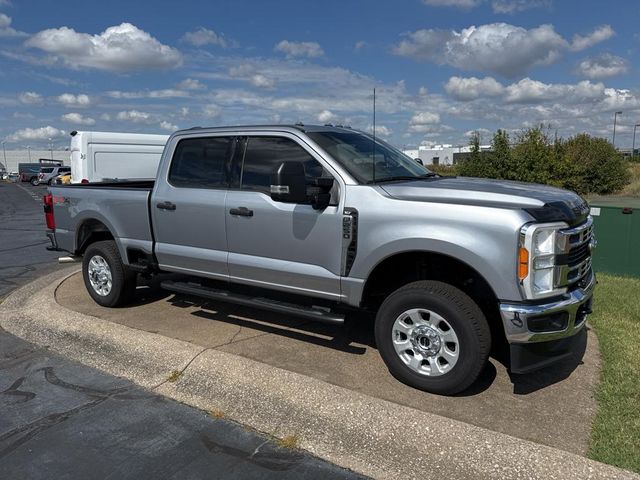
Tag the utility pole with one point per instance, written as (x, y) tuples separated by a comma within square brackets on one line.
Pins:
[(51, 148), (4, 152), (615, 118), (633, 148)]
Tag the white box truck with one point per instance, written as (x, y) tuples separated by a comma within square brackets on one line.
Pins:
[(111, 156)]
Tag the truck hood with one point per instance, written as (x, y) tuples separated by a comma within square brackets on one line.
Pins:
[(544, 203)]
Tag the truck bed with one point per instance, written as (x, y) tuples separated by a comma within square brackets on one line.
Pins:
[(117, 209), (120, 184)]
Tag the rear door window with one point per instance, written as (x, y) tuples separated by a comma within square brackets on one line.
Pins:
[(201, 162)]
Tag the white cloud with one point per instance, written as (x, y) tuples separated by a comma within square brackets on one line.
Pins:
[(381, 130), (42, 133), (465, 4), (425, 118), (466, 89), (483, 132), (164, 125), (261, 81), (513, 6), (602, 66), (31, 98), (600, 34), (203, 36), (359, 45), (5, 27), (164, 93), (120, 48), (190, 84), (70, 100), (249, 73), (424, 122), (77, 119), (211, 111), (533, 91), (299, 49), (135, 116), (326, 116), (498, 47), (106, 117)]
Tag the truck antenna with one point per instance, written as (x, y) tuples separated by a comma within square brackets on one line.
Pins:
[(374, 135)]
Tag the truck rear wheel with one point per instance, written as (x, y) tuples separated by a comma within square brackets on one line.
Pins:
[(109, 282), (433, 337)]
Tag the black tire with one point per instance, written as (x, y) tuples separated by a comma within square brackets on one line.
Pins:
[(461, 313), (34, 181), (123, 280)]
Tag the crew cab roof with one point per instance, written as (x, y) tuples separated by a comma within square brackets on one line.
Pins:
[(278, 128)]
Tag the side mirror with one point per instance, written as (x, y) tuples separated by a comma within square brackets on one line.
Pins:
[(418, 161), (288, 183)]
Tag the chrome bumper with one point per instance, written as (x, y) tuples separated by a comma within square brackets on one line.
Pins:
[(517, 318)]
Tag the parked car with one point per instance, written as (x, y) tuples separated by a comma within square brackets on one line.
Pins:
[(62, 179), (29, 171), (317, 228), (47, 174), (13, 176), (106, 156)]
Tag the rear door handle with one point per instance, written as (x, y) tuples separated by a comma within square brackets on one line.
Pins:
[(166, 206), (242, 211)]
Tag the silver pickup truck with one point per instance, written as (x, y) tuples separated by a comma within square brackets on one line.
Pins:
[(318, 221)]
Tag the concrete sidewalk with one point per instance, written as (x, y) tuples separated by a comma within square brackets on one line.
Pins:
[(369, 435), (554, 406)]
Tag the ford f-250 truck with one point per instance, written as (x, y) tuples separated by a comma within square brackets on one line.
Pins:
[(319, 220)]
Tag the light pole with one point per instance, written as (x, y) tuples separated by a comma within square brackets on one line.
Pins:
[(4, 153), (633, 148), (51, 148), (615, 118)]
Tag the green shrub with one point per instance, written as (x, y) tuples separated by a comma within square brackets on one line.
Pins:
[(582, 163)]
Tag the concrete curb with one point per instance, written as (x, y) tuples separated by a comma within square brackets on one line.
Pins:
[(371, 436)]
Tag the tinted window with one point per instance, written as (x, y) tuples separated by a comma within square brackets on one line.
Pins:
[(46, 170), (264, 154), (200, 162), (65, 169), (356, 152)]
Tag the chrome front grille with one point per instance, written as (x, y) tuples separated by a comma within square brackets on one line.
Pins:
[(573, 263)]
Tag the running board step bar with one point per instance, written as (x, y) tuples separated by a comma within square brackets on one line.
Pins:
[(319, 314)]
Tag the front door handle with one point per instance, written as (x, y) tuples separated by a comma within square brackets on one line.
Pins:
[(242, 211), (166, 206)]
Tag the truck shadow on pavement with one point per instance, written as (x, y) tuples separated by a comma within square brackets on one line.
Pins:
[(354, 337)]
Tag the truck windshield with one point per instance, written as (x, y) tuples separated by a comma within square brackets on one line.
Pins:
[(355, 152)]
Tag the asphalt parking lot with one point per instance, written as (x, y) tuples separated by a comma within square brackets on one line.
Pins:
[(23, 256), (554, 406), (60, 419)]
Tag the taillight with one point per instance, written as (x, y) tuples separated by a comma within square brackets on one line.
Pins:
[(48, 211), (84, 180)]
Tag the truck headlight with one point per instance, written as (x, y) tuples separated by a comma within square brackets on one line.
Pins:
[(537, 260)]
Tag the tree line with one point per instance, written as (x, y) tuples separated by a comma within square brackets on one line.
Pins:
[(582, 163)]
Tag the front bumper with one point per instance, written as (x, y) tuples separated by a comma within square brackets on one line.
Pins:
[(542, 334)]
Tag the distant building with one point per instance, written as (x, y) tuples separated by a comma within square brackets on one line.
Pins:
[(442, 154), (14, 157)]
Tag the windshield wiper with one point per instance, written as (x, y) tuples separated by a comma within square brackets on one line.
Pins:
[(403, 177)]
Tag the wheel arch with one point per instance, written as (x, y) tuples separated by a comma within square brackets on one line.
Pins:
[(399, 269)]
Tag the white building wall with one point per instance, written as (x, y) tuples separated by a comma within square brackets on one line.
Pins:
[(13, 157)]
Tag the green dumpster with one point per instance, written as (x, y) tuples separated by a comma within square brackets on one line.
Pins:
[(617, 229)]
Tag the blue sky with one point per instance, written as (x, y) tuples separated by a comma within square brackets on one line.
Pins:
[(441, 68)]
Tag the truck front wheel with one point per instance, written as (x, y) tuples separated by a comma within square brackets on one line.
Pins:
[(109, 282), (433, 337)]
